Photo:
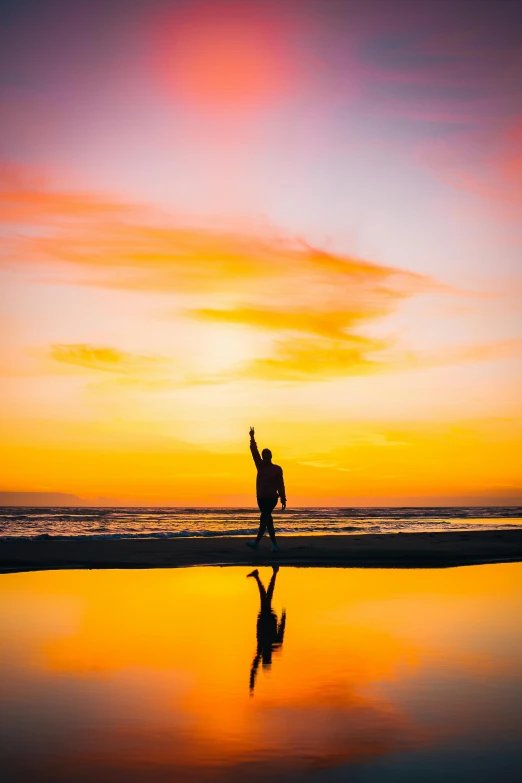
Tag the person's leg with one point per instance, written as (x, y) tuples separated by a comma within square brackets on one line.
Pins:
[(271, 530), (265, 506), (270, 522), (271, 586), (262, 527), (253, 670), (261, 588)]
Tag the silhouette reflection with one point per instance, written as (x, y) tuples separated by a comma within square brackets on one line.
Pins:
[(270, 631)]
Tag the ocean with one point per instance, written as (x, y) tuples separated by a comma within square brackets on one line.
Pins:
[(66, 523)]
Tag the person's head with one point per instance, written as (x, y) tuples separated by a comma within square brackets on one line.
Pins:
[(267, 455)]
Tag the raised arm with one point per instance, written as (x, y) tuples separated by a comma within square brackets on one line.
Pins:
[(253, 448)]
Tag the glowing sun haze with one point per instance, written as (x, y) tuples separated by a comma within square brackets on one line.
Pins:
[(302, 216), (224, 57)]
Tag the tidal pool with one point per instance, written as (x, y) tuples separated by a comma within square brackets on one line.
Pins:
[(203, 674)]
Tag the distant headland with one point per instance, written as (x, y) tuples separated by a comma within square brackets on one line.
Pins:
[(49, 499)]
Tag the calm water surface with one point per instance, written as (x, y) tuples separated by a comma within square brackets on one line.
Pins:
[(201, 674)]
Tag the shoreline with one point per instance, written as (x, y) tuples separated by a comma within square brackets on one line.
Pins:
[(366, 550)]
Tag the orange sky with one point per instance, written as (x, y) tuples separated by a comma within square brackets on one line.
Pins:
[(230, 215)]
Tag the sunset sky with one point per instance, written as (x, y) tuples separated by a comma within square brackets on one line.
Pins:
[(303, 216)]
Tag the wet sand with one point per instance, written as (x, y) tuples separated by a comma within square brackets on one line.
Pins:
[(391, 550)]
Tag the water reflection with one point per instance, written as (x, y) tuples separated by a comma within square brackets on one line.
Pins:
[(270, 630), (141, 676)]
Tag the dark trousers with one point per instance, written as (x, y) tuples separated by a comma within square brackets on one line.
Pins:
[(266, 506)]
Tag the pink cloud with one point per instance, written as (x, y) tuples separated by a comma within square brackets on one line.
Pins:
[(486, 164)]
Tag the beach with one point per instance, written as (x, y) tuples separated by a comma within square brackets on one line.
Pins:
[(392, 550)]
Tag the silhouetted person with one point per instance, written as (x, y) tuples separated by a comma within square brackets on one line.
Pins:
[(269, 487), (270, 632)]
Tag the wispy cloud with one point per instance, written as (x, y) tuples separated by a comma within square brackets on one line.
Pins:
[(487, 164), (107, 359), (140, 247), (326, 324), (118, 368), (297, 359), (26, 195), (303, 359), (313, 305), (496, 350), (321, 360)]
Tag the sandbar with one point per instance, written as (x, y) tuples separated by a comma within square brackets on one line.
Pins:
[(388, 550)]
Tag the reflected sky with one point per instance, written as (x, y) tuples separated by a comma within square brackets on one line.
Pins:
[(305, 674)]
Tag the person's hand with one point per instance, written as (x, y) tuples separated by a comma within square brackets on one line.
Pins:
[(251, 432), (283, 504)]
